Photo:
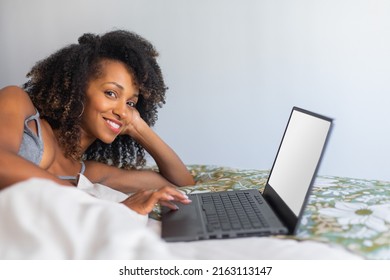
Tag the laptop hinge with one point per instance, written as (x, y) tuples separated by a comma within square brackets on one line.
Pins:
[(284, 213)]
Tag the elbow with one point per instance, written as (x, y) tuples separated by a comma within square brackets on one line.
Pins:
[(187, 181)]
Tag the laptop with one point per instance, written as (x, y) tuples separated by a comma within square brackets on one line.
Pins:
[(275, 211)]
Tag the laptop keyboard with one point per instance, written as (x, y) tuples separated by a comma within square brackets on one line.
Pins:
[(232, 211)]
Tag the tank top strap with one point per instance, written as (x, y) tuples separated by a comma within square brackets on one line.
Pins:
[(35, 117), (31, 146), (82, 170)]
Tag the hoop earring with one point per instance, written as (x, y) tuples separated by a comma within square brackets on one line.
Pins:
[(82, 111)]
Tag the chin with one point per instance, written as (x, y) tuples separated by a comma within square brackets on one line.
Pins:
[(107, 140)]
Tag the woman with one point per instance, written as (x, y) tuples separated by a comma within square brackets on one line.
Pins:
[(88, 109)]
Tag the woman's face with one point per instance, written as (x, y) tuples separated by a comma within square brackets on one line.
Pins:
[(110, 100)]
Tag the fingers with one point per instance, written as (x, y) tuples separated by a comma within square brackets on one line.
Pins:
[(144, 201), (170, 205), (166, 196), (132, 122), (172, 194)]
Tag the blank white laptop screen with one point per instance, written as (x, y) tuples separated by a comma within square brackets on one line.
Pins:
[(297, 158)]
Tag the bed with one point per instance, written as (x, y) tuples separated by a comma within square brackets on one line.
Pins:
[(345, 218)]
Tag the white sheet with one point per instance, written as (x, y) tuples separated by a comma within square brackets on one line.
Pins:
[(42, 220)]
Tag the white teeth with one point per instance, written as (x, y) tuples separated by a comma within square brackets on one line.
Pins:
[(114, 125)]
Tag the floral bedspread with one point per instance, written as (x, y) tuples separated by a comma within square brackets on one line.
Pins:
[(353, 213)]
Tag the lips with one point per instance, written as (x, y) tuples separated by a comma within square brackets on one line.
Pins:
[(115, 126)]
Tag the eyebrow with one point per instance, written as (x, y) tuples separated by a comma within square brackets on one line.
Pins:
[(121, 87), (116, 84)]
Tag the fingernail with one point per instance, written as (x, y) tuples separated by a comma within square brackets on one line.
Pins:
[(170, 197)]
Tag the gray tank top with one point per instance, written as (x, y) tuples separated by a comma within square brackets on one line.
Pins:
[(31, 147)]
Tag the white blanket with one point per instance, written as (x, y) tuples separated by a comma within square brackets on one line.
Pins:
[(42, 220)]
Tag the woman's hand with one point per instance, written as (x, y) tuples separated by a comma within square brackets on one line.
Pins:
[(144, 201), (134, 121)]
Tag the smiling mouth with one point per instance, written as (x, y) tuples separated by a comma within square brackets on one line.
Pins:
[(114, 126)]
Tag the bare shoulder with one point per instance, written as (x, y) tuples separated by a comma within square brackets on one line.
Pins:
[(15, 99), (15, 106), (13, 90)]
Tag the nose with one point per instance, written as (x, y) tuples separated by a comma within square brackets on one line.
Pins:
[(121, 110)]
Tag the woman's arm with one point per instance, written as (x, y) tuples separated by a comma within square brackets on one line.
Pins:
[(15, 169), (16, 106), (127, 181), (147, 187), (170, 165)]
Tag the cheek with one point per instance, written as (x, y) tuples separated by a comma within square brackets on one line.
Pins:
[(97, 105), (91, 114)]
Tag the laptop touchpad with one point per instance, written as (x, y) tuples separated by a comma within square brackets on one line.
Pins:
[(184, 222)]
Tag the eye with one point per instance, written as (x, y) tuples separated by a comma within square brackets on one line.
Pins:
[(110, 93), (131, 104)]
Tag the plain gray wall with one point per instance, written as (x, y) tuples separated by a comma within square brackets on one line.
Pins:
[(235, 69)]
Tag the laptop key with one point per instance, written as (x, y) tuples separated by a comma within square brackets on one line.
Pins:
[(209, 209), (210, 228), (236, 225), (225, 226)]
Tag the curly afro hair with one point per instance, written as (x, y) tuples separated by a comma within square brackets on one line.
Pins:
[(57, 86)]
